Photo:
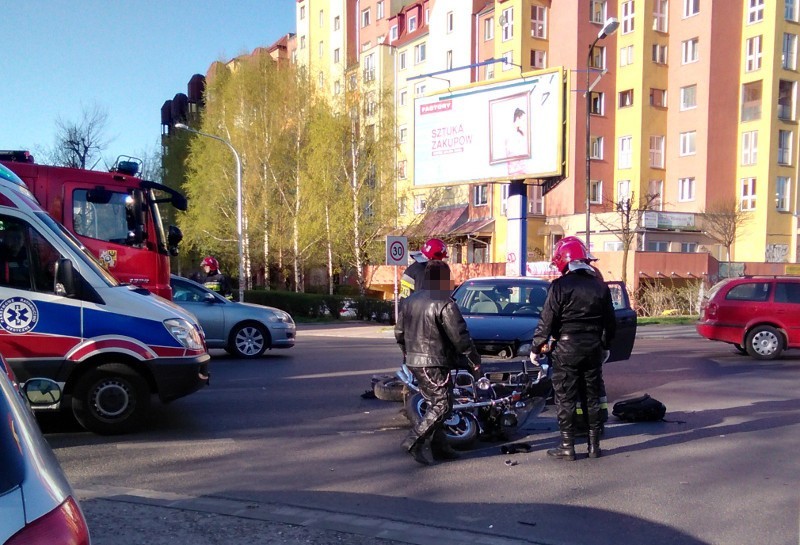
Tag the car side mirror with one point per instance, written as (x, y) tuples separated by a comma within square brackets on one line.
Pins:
[(174, 237), (42, 392), (209, 298), (64, 284)]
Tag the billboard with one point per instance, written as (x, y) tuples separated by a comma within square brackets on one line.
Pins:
[(507, 130)]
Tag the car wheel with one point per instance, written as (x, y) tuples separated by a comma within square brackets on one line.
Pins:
[(740, 349), (248, 340), (111, 399), (764, 343)]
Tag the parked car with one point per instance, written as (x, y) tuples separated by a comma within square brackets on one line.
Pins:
[(502, 313), (36, 500), (245, 330), (759, 315)]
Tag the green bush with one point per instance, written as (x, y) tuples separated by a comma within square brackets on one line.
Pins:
[(315, 306)]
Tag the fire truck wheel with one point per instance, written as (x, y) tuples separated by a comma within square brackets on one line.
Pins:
[(111, 399)]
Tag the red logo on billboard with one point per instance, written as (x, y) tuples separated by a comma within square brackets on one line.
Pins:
[(435, 107)]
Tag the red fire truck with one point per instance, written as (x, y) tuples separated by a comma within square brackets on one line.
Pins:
[(114, 214)]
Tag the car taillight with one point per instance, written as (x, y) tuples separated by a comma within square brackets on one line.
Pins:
[(711, 310), (64, 525)]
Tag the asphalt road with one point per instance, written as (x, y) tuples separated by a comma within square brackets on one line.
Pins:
[(285, 450)]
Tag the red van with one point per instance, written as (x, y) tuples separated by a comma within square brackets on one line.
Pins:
[(759, 315)]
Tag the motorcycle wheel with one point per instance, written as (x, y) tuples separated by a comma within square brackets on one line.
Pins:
[(389, 389), (461, 429)]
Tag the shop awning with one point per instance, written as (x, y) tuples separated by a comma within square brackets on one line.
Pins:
[(439, 222), (482, 226)]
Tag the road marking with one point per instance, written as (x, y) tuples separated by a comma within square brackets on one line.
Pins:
[(390, 371), (205, 443)]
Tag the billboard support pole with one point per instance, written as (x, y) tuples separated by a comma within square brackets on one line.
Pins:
[(517, 236)]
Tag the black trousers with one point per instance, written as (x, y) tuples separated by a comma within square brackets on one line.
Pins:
[(435, 386), (577, 366)]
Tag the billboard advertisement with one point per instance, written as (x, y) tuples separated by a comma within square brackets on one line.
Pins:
[(506, 130)]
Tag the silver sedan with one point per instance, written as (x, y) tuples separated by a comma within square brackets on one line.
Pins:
[(242, 329)]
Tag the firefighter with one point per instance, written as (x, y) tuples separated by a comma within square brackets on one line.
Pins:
[(214, 279), (576, 326), (433, 248)]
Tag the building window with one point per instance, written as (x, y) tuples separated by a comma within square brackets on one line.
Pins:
[(369, 67), (412, 23), (627, 17), (689, 97), (755, 11), (748, 194), (365, 17), (659, 54), (336, 56), (750, 148), (419, 53), (753, 54), (449, 21), (539, 22), (401, 169), (657, 151), (538, 59), (488, 29), (597, 59), (657, 246), (790, 10), (596, 103), (612, 246), (783, 187), (449, 59), (623, 191), (596, 147), (786, 92), (380, 10), (689, 51), (337, 23), (420, 204), (625, 155), (302, 12), (597, 11), (402, 206), (626, 55), (660, 15), (655, 194), (480, 195), (686, 189), (658, 98), (403, 97), (691, 7), (321, 49), (504, 199), (535, 200), (688, 247), (625, 98), (751, 101), (302, 42), (393, 33), (489, 71), (402, 60), (403, 133), (507, 24), (789, 53), (688, 146), (785, 147), (508, 60), (596, 192), (321, 18), (419, 90), (321, 79), (337, 87)]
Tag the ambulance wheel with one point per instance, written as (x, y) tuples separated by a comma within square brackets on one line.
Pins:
[(111, 399)]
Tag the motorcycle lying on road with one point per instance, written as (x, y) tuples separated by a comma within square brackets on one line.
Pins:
[(494, 406)]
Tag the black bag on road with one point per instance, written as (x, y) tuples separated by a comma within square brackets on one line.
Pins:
[(639, 409)]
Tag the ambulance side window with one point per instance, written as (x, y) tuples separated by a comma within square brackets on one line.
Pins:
[(27, 260)]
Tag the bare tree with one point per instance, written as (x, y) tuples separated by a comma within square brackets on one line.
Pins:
[(627, 222), (81, 144), (723, 219)]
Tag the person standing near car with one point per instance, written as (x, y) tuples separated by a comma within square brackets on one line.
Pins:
[(434, 339), (577, 324), (214, 279), (412, 278)]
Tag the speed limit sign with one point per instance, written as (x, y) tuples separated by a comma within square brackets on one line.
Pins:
[(396, 250)]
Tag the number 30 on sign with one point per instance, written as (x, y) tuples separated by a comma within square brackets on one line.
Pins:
[(396, 250)]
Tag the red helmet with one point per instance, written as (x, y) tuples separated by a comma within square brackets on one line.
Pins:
[(567, 251), (434, 248), (211, 262), (589, 256)]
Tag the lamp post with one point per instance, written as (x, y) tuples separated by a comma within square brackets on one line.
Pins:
[(609, 28), (240, 241)]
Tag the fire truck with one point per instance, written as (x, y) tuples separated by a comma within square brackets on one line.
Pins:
[(114, 214)]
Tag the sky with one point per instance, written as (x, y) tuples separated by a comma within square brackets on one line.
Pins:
[(61, 57)]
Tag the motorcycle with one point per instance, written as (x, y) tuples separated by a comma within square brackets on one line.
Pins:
[(492, 407)]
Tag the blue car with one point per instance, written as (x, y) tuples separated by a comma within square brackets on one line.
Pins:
[(502, 313)]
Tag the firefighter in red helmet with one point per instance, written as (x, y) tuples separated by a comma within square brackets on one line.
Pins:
[(577, 324), (214, 279), (433, 249)]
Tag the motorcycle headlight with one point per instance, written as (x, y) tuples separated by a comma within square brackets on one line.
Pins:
[(281, 317), (185, 333), (524, 349)]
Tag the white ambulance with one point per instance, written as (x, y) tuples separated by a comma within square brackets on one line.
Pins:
[(110, 346)]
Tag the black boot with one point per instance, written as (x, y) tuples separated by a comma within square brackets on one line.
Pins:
[(441, 447), (421, 452), (594, 442), (566, 450)]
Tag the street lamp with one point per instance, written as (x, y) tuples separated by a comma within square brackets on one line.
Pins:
[(608, 28), (240, 241)]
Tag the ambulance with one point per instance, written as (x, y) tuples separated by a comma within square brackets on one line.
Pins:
[(111, 346)]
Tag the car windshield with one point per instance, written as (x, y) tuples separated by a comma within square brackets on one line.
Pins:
[(504, 297)]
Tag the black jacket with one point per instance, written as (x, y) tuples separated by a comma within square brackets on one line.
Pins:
[(412, 278), (432, 332), (218, 282), (578, 311)]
